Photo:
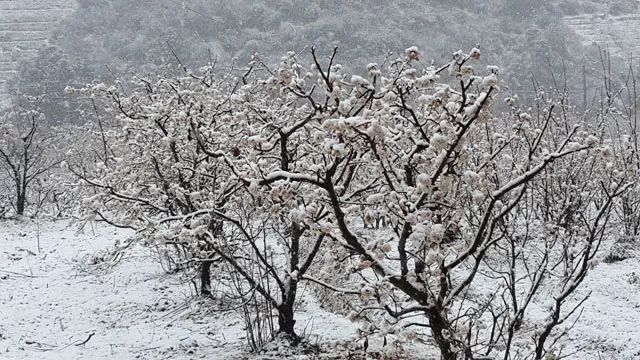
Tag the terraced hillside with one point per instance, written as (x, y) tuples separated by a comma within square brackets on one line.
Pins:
[(24, 28), (620, 33)]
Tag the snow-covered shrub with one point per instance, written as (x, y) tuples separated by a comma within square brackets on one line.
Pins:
[(149, 173), (622, 249)]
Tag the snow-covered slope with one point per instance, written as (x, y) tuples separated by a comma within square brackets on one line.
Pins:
[(24, 28)]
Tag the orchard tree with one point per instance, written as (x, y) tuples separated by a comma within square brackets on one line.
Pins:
[(458, 184), (149, 174), (160, 176), (617, 106)]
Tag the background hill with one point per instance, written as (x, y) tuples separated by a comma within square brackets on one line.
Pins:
[(102, 39), (25, 26)]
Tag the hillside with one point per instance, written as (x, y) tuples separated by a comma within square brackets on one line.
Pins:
[(25, 26), (106, 38), (621, 34), (111, 37)]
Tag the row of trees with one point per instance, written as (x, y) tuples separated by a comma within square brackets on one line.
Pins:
[(276, 174)]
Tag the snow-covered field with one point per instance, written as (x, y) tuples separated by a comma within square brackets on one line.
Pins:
[(609, 327), (51, 302), (55, 305)]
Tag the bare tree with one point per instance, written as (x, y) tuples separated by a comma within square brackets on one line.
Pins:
[(28, 151)]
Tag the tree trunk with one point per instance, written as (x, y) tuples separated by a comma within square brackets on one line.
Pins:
[(286, 322), (205, 278), (20, 203), (215, 227), (439, 325)]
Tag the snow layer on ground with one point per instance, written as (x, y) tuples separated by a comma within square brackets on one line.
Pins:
[(52, 300), (50, 304), (609, 327)]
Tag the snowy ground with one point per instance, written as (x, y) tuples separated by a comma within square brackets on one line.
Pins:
[(609, 327), (50, 304)]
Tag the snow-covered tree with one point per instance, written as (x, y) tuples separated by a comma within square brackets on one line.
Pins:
[(420, 145), (177, 185), (149, 173)]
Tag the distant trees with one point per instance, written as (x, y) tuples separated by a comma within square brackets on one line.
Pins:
[(622, 7), (263, 169), (45, 78)]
